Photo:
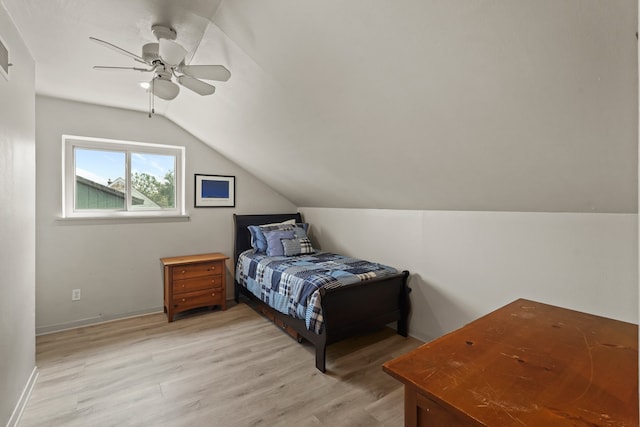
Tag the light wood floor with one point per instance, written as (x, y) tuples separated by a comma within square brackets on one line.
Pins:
[(214, 368)]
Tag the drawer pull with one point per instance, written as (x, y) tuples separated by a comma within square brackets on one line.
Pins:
[(183, 271), (213, 294), (213, 267), (183, 300)]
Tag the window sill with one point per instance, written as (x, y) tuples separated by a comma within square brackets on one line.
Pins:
[(123, 219)]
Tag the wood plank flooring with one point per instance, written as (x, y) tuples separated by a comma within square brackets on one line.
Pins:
[(212, 368)]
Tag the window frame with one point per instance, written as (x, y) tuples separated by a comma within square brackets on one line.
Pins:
[(71, 142)]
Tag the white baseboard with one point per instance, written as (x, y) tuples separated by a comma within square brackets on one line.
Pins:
[(24, 398), (43, 330)]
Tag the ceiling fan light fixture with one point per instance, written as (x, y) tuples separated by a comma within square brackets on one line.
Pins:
[(171, 52), (164, 89), (150, 52)]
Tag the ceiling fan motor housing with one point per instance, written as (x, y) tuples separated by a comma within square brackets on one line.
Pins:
[(164, 75)]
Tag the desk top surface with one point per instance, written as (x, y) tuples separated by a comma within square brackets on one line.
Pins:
[(531, 364)]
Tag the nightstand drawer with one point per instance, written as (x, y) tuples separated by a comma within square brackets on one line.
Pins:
[(180, 272), (198, 299), (196, 284)]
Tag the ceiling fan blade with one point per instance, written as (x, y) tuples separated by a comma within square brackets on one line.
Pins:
[(196, 85), (118, 49), (207, 72), (106, 67), (171, 52)]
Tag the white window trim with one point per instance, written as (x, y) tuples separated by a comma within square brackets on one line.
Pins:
[(69, 142)]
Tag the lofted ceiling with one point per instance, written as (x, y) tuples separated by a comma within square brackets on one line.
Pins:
[(525, 105)]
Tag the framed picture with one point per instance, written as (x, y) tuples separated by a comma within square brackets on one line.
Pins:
[(215, 191)]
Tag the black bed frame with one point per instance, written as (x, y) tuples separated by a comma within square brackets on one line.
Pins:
[(348, 310)]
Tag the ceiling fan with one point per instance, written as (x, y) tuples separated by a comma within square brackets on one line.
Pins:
[(165, 59)]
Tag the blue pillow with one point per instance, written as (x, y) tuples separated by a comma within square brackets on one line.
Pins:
[(258, 241), (300, 232), (274, 243)]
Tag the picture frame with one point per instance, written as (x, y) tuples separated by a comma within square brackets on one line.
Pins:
[(214, 191)]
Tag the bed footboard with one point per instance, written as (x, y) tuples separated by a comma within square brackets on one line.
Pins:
[(363, 307), (348, 311)]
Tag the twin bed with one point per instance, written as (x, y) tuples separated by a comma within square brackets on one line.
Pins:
[(314, 295)]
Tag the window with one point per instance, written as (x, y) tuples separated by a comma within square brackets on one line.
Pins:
[(105, 178)]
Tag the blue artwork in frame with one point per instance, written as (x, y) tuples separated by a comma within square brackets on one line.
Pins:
[(215, 191)]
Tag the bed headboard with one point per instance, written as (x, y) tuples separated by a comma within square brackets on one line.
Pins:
[(242, 237)]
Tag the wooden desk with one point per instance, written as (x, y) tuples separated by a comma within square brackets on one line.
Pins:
[(525, 364)]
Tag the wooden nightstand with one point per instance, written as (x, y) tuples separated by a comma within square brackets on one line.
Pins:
[(194, 281)]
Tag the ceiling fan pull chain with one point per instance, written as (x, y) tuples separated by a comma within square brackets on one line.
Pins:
[(151, 100)]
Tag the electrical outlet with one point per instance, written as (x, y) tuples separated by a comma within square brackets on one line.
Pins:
[(75, 295)]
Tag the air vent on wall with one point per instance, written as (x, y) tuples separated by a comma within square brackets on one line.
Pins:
[(4, 60)]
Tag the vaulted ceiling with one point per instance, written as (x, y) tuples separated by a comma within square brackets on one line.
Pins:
[(411, 104)]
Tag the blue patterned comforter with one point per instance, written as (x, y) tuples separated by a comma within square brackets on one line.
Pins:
[(291, 284)]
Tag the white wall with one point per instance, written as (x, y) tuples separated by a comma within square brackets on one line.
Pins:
[(466, 264), (116, 264), (502, 105), (17, 224)]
